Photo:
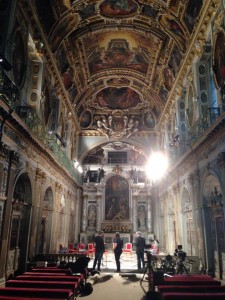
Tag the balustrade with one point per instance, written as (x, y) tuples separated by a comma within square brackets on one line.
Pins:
[(9, 93)]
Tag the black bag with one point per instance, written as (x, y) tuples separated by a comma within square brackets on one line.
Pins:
[(87, 289)]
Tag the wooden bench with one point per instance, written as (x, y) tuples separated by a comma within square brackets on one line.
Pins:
[(65, 273), (44, 284), (190, 282), (73, 278), (26, 297), (191, 289), (50, 270), (192, 296), (37, 292)]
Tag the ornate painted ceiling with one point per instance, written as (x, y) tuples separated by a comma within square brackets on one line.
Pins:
[(119, 60)]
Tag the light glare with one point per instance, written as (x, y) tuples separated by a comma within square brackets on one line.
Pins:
[(157, 166), (80, 170)]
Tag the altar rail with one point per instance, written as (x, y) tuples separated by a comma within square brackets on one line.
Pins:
[(53, 259)]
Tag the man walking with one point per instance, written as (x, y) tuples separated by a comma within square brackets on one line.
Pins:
[(99, 249), (140, 248)]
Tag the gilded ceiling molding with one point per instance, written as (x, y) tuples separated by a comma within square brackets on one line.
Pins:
[(218, 21), (67, 3), (198, 35), (199, 47), (51, 65)]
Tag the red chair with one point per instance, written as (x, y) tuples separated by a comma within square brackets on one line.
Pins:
[(81, 246), (71, 249), (91, 249), (128, 248), (82, 249)]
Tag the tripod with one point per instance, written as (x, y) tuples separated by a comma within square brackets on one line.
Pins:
[(181, 269), (149, 271)]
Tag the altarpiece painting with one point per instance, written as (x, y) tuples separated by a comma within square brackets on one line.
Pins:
[(117, 199)]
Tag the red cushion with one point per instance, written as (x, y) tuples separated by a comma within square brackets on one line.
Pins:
[(75, 278)]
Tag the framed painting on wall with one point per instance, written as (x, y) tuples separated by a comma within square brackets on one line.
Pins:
[(86, 119), (117, 199)]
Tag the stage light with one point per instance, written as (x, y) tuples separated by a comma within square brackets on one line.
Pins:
[(80, 170)]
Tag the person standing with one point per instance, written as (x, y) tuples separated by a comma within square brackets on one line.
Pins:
[(155, 247), (118, 246), (99, 250), (140, 248)]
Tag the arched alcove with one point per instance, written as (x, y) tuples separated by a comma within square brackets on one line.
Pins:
[(44, 237), (213, 218), (188, 224), (20, 224)]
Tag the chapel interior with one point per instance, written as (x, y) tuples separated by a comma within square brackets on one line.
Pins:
[(90, 92)]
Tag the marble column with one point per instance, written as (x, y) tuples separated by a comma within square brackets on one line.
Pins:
[(98, 216), (77, 214), (149, 213), (135, 209), (194, 182)]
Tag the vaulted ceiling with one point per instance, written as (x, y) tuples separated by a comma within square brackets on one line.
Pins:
[(119, 60)]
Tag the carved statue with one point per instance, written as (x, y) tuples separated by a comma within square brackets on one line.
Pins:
[(142, 217), (91, 216)]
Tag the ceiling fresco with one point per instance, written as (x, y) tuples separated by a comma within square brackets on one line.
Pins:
[(117, 98), (119, 60), (119, 50), (117, 9)]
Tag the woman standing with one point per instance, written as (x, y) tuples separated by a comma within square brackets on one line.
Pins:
[(118, 245)]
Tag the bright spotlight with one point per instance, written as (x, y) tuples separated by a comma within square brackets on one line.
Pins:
[(76, 163), (80, 170), (156, 166)]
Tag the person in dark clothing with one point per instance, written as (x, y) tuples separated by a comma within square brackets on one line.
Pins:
[(140, 248), (118, 246), (99, 249)]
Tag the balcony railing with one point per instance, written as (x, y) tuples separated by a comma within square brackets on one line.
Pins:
[(8, 91), (10, 95), (197, 131), (28, 115), (203, 123)]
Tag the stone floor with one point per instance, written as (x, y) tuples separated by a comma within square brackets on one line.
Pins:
[(130, 283), (128, 262), (111, 285)]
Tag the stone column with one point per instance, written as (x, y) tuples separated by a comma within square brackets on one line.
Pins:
[(135, 208), (149, 213), (57, 230), (77, 214), (98, 216), (84, 213), (194, 181), (38, 190)]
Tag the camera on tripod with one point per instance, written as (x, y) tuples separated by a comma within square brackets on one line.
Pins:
[(180, 253), (149, 256)]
